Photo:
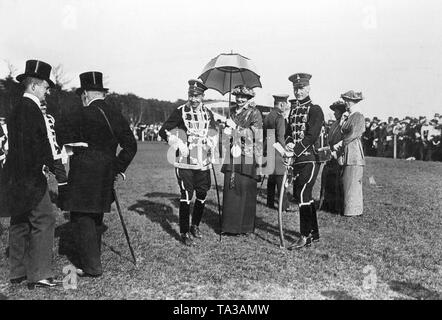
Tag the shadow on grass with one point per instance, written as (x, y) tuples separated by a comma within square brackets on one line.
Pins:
[(162, 211), (159, 207), (3, 297), (337, 295), (414, 290)]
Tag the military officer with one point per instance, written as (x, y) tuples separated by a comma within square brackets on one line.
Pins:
[(274, 124), (305, 125), (95, 132), (191, 131)]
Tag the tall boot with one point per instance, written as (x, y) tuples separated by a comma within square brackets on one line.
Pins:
[(271, 184), (198, 210), (314, 223), (184, 223), (305, 225)]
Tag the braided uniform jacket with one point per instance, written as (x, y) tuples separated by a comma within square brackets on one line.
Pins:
[(304, 129), (196, 127)]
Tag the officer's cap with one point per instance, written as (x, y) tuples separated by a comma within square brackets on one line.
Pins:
[(300, 79), (196, 87)]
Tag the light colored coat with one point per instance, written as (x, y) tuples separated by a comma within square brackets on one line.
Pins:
[(352, 130)]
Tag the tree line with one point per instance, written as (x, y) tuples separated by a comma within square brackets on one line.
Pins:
[(62, 101)]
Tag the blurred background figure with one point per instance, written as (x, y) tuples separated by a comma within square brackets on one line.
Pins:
[(331, 181)]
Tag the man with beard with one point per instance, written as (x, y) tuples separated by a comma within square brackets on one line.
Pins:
[(191, 132)]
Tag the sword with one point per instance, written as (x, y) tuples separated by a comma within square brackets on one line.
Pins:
[(124, 225)]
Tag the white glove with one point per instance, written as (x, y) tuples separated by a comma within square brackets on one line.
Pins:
[(230, 123), (338, 145), (228, 131), (184, 150), (290, 146)]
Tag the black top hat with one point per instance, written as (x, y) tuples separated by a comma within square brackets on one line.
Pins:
[(37, 69), (92, 80), (196, 87), (300, 79)]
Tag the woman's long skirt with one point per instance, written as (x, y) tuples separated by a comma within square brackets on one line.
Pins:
[(331, 188), (352, 181), (239, 204)]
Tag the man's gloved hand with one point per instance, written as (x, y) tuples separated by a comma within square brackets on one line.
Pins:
[(230, 123), (290, 146)]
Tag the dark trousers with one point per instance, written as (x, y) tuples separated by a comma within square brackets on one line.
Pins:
[(31, 240), (308, 221), (88, 229), (306, 177), (190, 181), (273, 182)]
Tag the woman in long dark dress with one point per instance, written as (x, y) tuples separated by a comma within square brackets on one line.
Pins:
[(331, 181), (245, 135)]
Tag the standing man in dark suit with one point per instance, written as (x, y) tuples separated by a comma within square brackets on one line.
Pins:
[(26, 195), (274, 124), (94, 131), (305, 123)]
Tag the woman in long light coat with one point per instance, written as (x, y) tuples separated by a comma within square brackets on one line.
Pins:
[(352, 128)]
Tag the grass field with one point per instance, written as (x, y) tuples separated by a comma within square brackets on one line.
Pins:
[(393, 251)]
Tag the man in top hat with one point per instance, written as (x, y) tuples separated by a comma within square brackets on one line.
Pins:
[(191, 131), (274, 124), (96, 130), (305, 125), (24, 184)]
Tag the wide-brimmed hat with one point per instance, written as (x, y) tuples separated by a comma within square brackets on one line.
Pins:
[(91, 81), (37, 69), (300, 79), (243, 91), (352, 95), (338, 105)]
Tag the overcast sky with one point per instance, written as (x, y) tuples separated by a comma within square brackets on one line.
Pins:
[(390, 50)]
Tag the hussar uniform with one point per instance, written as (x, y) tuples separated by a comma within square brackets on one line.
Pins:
[(192, 132), (304, 130)]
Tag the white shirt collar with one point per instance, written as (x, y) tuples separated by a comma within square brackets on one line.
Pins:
[(33, 98), (90, 102)]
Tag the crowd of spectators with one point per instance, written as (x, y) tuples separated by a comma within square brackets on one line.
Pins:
[(147, 132), (416, 138)]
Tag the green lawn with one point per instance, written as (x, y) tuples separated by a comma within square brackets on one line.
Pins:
[(392, 252)]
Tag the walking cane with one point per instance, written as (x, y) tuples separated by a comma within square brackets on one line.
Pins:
[(124, 225), (219, 204)]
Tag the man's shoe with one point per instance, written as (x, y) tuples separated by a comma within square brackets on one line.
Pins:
[(195, 230), (18, 280), (302, 242), (315, 237), (45, 283), (187, 240), (83, 274)]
